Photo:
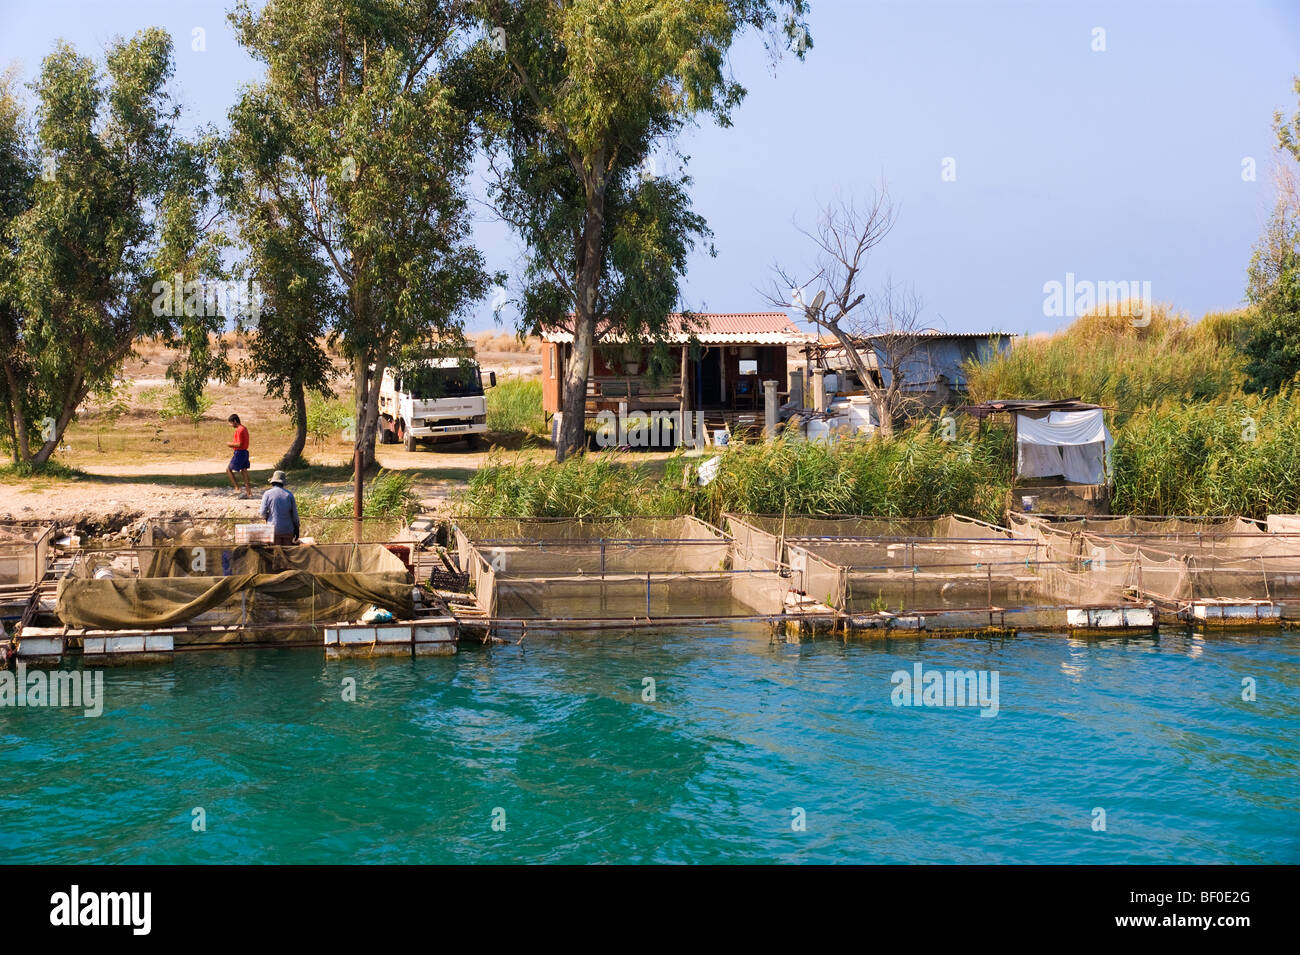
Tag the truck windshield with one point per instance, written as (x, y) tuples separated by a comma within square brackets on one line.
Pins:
[(458, 382)]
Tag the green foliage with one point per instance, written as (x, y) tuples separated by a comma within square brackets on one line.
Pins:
[(1108, 360), (353, 152), (514, 406), (1233, 455), (592, 485), (388, 495), (913, 475), (31, 469), (176, 405), (1273, 279), (115, 209), (916, 474), (327, 418), (582, 94)]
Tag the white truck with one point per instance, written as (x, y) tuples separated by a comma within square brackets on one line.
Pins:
[(437, 400)]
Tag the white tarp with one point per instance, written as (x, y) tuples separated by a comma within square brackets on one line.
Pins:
[(1072, 444)]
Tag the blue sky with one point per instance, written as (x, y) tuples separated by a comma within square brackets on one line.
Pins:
[(1122, 164)]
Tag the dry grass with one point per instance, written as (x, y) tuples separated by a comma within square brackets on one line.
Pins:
[(504, 343)]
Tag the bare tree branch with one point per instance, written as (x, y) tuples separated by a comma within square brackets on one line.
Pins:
[(879, 333)]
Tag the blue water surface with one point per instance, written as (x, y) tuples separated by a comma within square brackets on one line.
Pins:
[(752, 750)]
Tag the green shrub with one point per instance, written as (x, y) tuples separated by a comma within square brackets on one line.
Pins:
[(390, 494), (514, 406), (174, 406), (917, 474), (1234, 455), (327, 417), (599, 484), (1108, 360)]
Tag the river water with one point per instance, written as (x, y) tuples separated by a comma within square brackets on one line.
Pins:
[(717, 745)]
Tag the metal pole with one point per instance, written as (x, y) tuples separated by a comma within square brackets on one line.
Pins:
[(769, 410)]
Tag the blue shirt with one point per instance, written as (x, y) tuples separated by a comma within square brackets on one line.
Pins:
[(280, 510)]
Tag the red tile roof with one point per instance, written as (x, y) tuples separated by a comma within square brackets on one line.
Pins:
[(767, 328)]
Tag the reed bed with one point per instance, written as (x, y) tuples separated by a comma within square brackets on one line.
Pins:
[(1108, 360), (514, 406), (1237, 454), (915, 474)]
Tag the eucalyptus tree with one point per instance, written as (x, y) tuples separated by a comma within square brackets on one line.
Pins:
[(1273, 277), (582, 94), (286, 349), (102, 201), (358, 141)]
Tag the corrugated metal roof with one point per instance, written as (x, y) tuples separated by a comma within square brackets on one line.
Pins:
[(1028, 406), (722, 328)]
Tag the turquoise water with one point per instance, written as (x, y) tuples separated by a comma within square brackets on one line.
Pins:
[(743, 731)]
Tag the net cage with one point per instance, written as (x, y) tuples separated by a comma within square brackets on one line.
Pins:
[(24, 553), (219, 583), (609, 568), (863, 564), (762, 538), (162, 531), (1176, 559)]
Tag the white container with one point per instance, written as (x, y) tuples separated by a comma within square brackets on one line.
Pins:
[(254, 534), (820, 429), (721, 439), (861, 420)]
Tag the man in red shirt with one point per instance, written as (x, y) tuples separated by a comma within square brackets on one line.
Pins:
[(239, 460)]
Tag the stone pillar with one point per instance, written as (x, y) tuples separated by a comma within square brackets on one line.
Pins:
[(796, 387), (819, 389), (769, 410)]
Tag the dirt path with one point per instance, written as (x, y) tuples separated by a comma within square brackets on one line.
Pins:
[(113, 495)]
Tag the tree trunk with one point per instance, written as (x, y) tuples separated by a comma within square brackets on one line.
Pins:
[(18, 418), (573, 431), (298, 395), (367, 406), (589, 261), (76, 395), (882, 399)]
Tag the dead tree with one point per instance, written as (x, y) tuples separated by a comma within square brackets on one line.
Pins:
[(831, 298)]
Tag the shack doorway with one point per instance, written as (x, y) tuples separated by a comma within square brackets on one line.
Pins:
[(708, 378)]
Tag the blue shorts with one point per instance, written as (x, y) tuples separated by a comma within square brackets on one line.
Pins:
[(239, 462)]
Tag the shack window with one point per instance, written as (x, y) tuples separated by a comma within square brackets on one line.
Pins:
[(749, 366)]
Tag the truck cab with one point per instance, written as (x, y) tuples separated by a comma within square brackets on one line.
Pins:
[(437, 400)]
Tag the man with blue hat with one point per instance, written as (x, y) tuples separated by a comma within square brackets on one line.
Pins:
[(280, 510)]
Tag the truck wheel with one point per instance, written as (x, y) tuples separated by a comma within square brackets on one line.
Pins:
[(472, 442), (408, 440)]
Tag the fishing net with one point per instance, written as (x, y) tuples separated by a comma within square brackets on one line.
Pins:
[(862, 564), (238, 585), (1176, 559), (609, 568), (24, 554)]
